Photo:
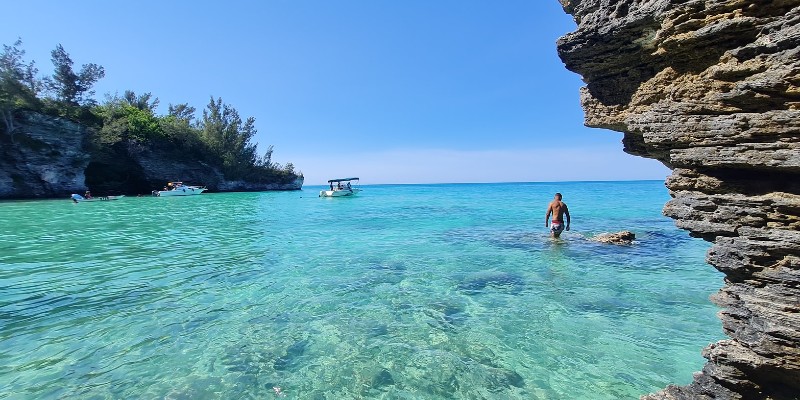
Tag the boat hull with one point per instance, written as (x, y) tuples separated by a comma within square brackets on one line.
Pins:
[(339, 193), (184, 191), (80, 199)]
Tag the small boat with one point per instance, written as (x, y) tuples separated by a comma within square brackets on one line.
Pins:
[(341, 187), (179, 189), (80, 199)]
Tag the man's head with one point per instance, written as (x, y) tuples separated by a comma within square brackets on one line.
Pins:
[(558, 196)]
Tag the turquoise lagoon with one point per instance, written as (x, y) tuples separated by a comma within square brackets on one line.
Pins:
[(406, 292)]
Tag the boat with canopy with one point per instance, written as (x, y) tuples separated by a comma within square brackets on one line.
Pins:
[(341, 187)]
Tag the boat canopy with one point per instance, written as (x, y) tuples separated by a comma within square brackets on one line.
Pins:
[(342, 180)]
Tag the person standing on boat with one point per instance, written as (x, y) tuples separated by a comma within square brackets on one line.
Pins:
[(87, 195), (558, 209)]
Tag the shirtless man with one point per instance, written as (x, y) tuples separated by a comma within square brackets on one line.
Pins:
[(558, 208)]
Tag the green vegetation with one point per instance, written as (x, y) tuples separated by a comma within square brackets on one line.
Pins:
[(220, 138)]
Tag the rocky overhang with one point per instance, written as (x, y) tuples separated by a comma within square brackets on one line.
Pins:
[(712, 90)]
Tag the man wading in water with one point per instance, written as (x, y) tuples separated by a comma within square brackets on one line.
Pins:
[(558, 208)]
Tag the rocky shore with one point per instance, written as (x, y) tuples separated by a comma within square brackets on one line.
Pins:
[(50, 157), (712, 89), (621, 238)]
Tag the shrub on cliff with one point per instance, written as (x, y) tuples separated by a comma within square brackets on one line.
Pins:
[(221, 138), (224, 132), (69, 87), (122, 121), (18, 85), (64, 94)]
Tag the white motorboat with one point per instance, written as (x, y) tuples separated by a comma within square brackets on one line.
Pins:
[(179, 189), (341, 187), (76, 198)]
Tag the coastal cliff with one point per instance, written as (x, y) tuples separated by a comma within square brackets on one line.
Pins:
[(51, 157), (712, 90), (43, 157)]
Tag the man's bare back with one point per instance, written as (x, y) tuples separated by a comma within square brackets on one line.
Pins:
[(558, 209)]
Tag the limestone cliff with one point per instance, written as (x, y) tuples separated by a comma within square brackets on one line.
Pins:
[(712, 89), (48, 157), (39, 162)]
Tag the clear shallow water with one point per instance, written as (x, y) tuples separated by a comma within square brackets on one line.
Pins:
[(409, 291)]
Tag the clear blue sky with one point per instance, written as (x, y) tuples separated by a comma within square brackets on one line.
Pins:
[(393, 92)]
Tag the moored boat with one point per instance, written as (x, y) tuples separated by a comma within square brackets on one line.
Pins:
[(76, 198), (341, 187), (179, 189)]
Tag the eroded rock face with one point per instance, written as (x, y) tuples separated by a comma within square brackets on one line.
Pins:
[(712, 89), (45, 157), (51, 157), (622, 237)]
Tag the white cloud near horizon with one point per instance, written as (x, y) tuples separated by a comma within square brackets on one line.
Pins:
[(476, 166)]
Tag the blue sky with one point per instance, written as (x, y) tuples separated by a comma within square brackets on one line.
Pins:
[(393, 92)]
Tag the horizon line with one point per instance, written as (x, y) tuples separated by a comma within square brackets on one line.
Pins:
[(501, 182)]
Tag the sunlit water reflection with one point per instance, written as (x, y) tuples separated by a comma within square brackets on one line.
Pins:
[(408, 291)]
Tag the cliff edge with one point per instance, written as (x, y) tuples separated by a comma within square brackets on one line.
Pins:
[(42, 161), (52, 157), (712, 90)]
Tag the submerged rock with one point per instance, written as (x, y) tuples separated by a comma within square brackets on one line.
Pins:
[(491, 279), (447, 315), (382, 378), (623, 237), (499, 379), (290, 360)]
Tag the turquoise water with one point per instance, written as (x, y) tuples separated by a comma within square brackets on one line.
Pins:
[(406, 292)]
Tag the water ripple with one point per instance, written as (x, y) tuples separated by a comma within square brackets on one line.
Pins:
[(442, 291)]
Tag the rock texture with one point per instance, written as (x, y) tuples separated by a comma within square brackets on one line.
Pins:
[(44, 156), (50, 157), (712, 89), (622, 237), (144, 168)]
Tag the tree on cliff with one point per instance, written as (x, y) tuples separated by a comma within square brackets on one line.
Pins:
[(129, 118), (7, 104), (228, 136), (221, 139), (69, 87), (18, 84), (182, 112), (144, 102), (178, 126), (12, 66)]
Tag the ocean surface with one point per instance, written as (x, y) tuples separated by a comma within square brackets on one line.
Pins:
[(405, 292)]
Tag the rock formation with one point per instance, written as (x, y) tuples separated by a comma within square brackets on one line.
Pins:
[(711, 88), (42, 161), (52, 157), (622, 237)]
